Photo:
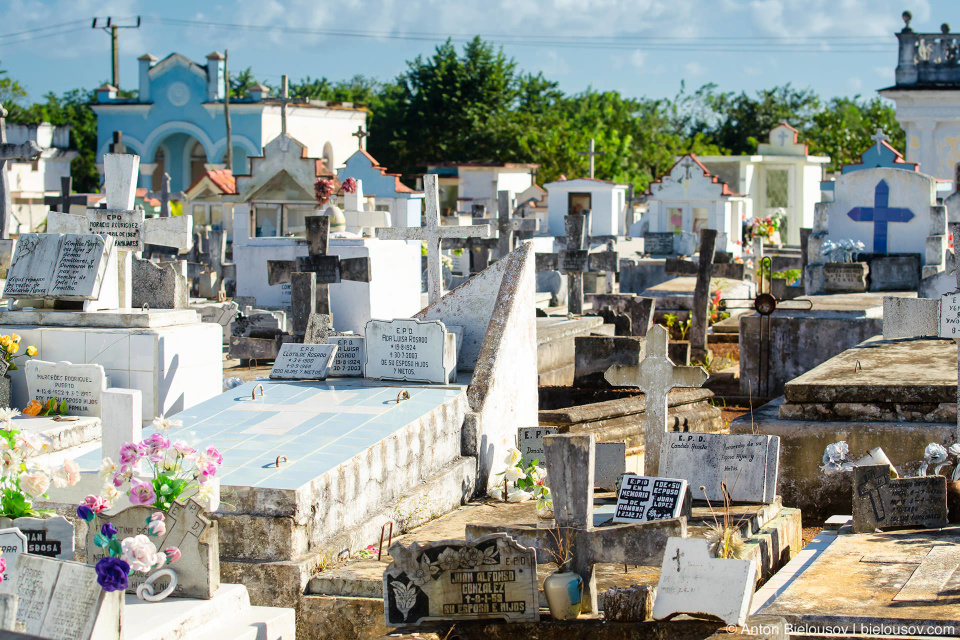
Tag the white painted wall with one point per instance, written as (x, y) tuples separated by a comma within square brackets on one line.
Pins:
[(315, 128), (931, 121), (606, 208)]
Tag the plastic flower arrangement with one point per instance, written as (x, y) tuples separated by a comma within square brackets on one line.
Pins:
[(323, 188), (524, 482), (136, 554), (11, 345), (175, 469), (766, 227), (21, 480), (48, 407)]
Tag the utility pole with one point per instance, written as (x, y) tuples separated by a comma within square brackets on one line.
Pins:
[(108, 25), (226, 106)]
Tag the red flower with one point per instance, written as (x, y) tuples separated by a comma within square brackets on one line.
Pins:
[(349, 185), (322, 190)]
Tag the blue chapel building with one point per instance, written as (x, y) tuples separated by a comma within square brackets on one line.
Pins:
[(176, 124)]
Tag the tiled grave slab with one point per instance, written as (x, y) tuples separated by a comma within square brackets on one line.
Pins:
[(315, 425)]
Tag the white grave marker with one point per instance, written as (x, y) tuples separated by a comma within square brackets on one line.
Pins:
[(950, 316), (303, 361), (747, 464), (642, 498), (12, 544), (81, 385), (407, 349), (349, 358), (52, 266)]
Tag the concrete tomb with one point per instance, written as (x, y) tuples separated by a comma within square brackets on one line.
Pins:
[(408, 349), (303, 361), (51, 537), (882, 502), (642, 498), (61, 600), (745, 464), (490, 577)]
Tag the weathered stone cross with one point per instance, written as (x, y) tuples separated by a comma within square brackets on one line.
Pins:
[(164, 196), (655, 376), (26, 151), (591, 153), (119, 219), (63, 201), (879, 137), (117, 145), (359, 134), (432, 234), (310, 276), (576, 259), (188, 520), (701, 294), (507, 225), (284, 99), (570, 460)]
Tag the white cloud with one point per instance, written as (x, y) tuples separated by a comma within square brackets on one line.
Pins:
[(694, 69), (551, 63), (854, 84), (812, 18), (637, 58)]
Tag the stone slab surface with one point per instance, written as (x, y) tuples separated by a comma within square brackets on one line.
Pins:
[(932, 366), (891, 578), (114, 319)]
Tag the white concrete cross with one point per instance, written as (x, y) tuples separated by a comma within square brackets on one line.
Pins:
[(655, 376), (284, 99), (591, 153), (432, 233), (879, 137), (359, 220), (120, 220)]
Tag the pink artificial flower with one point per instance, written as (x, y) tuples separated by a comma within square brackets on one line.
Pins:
[(3, 568), (155, 445), (155, 525), (215, 455), (140, 553), (183, 449), (123, 475), (96, 503), (172, 553), (322, 190), (349, 185), (141, 492), (131, 452)]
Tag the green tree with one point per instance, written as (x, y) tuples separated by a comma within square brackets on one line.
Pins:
[(242, 82), (11, 93), (843, 129)]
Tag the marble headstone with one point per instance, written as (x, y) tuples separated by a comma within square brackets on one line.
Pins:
[(658, 243), (303, 361), (882, 502), (349, 358), (748, 464), (80, 267), (31, 269), (610, 460), (188, 529), (950, 316), (125, 226), (642, 498), (492, 577), (50, 537), (531, 443), (62, 600), (12, 544), (408, 349), (693, 583), (81, 385)]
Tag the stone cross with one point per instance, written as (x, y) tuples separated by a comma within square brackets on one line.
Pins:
[(879, 137), (880, 214), (188, 520), (687, 164), (705, 270), (284, 99), (570, 460), (576, 259), (591, 153), (117, 145), (63, 201), (432, 234), (359, 134), (26, 151), (655, 376), (164, 195), (311, 275), (783, 138), (120, 220), (507, 226)]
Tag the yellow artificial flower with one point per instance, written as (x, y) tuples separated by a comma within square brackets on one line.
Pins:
[(4, 341), (31, 351), (13, 347), (15, 337)]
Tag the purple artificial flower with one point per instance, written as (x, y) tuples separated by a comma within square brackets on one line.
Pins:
[(112, 573), (130, 452), (214, 455), (156, 444), (85, 513), (141, 492), (108, 530)]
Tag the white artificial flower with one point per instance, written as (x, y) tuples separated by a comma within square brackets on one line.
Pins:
[(31, 442), (209, 495), (513, 474), (107, 468), (140, 553), (7, 415), (513, 457), (518, 495), (35, 483), (164, 425), (935, 453), (109, 492), (834, 457), (10, 462)]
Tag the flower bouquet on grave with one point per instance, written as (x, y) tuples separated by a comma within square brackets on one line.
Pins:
[(48, 407), (21, 480), (136, 554), (521, 483), (768, 228), (175, 470), (841, 251), (10, 346)]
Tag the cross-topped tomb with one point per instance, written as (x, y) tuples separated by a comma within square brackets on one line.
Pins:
[(432, 233), (655, 376), (64, 201), (26, 151), (880, 214), (591, 153), (165, 195)]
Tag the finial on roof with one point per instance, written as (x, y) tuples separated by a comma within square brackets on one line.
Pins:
[(945, 28), (907, 17)]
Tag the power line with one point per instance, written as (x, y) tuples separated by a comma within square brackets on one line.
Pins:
[(42, 35), (47, 28)]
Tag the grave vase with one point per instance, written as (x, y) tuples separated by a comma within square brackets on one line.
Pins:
[(5, 391), (564, 593)]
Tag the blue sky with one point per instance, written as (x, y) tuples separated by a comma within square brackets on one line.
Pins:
[(640, 47)]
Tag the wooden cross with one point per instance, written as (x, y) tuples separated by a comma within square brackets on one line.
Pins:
[(120, 220), (576, 259), (360, 134), (26, 151), (164, 195), (311, 275), (655, 376), (705, 270), (570, 462), (432, 234), (591, 153), (63, 201)]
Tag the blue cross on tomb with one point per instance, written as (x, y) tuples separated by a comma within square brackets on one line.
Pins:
[(880, 214)]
